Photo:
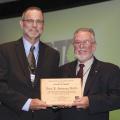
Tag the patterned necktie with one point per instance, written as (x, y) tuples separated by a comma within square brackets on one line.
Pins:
[(80, 72), (31, 60)]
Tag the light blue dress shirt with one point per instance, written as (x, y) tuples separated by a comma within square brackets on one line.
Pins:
[(27, 46)]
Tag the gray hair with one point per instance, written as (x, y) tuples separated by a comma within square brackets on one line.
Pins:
[(90, 30), (30, 8)]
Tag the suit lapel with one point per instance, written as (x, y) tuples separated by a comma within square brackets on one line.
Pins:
[(91, 77), (20, 52), (73, 69), (41, 59)]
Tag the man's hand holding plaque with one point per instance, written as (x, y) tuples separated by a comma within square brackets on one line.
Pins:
[(61, 91)]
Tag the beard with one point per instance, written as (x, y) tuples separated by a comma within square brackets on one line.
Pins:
[(83, 58)]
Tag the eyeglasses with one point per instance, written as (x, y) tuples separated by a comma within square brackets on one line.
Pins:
[(86, 42), (31, 21)]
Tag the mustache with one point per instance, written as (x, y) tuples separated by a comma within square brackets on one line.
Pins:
[(34, 30), (81, 50)]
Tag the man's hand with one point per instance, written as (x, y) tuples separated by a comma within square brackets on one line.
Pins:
[(81, 102), (37, 104)]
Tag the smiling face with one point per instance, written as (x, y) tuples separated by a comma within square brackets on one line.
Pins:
[(84, 45), (32, 24)]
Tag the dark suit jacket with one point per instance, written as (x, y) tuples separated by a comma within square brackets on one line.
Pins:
[(102, 87), (15, 83)]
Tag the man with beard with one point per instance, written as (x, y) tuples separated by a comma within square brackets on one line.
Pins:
[(100, 81)]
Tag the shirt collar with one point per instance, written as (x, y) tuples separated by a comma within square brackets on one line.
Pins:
[(87, 63), (27, 46)]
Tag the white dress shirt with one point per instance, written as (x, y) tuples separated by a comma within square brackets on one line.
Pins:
[(27, 46), (86, 70)]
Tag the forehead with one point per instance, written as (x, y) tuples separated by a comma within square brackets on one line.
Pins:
[(33, 14), (81, 35)]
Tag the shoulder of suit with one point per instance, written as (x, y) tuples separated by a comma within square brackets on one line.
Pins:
[(14, 42), (107, 65), (49, 48), (69, 64), (8, 44)]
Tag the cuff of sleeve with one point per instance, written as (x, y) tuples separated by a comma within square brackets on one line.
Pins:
[(26, 106)]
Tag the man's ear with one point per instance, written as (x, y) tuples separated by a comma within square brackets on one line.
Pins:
[(94, 47), (21, 24)]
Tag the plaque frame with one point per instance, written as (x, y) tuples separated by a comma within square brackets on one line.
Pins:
[(60, 91)]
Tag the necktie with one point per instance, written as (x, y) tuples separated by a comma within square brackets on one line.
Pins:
[(31, 60), (80, 72)]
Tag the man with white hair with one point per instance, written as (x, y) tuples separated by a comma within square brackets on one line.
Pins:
[(100, 81)]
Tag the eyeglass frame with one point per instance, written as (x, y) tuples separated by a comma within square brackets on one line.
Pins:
[(86, 42), (31, 21)]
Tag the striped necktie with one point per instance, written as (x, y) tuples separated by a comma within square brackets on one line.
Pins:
[(80, 72), (31, 60)]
